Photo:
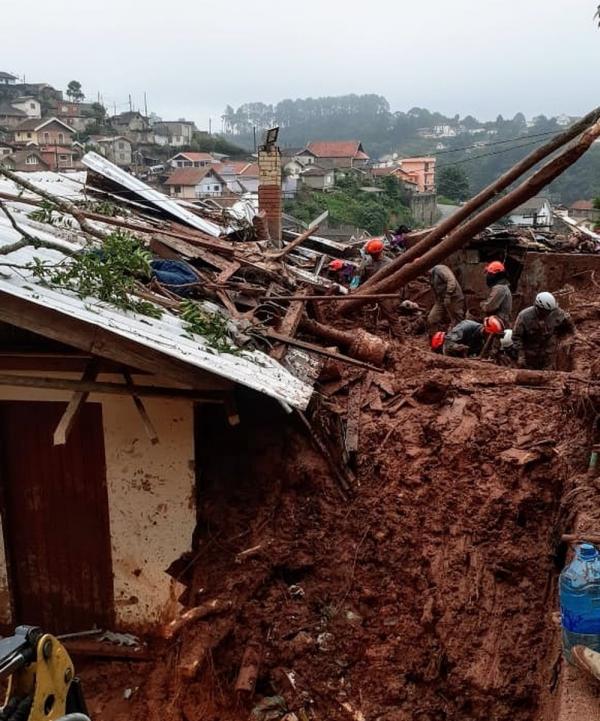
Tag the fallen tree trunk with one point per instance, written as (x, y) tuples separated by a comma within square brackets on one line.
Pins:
[(358, 344), (432, 238), (462, 235)]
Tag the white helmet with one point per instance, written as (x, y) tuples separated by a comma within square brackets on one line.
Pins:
[(545, 301), (506, 341)]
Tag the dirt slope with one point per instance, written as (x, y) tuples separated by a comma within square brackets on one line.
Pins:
[(425, 596)]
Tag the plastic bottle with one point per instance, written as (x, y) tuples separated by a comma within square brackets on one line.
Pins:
[(580, 600)]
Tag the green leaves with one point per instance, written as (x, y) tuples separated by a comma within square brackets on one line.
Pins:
[(212, 326), (108, 273)]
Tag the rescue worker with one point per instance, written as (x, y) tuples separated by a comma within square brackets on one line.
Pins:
[(374, 257), (468, 337), (342, 271), (449, 306), (499, 300), (537, 332)]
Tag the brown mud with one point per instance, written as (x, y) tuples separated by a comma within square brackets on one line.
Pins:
[(426, 595)]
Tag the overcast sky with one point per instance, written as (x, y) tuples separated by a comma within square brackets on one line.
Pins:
[(192, 57)]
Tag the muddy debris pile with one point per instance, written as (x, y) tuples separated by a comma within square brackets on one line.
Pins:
[(424, 593)]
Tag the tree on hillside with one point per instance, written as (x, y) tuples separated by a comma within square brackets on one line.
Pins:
[(74, 92), (453, 183)]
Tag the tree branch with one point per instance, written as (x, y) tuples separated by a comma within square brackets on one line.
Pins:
[(27, 239), (65, 205)]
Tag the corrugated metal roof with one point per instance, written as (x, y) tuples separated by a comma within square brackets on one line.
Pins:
[(254, 369), (104, 167)]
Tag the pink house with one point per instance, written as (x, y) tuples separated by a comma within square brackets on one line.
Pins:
[(421, 170)]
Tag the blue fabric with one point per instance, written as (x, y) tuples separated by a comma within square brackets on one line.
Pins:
[(173, 273)]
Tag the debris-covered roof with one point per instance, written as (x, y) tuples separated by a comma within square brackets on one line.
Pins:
[(166, 335), (582, 205)]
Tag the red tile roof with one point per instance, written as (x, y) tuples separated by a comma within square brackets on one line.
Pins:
[(195, 157), (187, 176), (337, 149), (238, 167), (583, 205)]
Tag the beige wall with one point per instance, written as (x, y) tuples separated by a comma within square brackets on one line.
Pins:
[(151, 496)]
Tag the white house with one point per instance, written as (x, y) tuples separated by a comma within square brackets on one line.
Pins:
[(194, 183), (192, 160), (29, 105), (535, 213)]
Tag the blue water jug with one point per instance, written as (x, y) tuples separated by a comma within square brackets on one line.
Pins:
[(580, 600)]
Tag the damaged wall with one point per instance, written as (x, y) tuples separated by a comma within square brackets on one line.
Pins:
[(151, 498)]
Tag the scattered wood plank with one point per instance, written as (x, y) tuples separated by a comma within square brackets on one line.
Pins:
[(210, 608), (161, 243), (65, 424), (353, 420), (248, 673), (228, 271), (289, 326), (294, 244), (97, 649), (580, 537)]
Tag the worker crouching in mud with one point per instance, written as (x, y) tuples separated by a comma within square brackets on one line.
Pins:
[(537, 332), (467, 338), (449, 306)]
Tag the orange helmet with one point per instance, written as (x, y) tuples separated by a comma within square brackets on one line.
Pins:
[(437, 340), (495, 267), (336, 264), (493, 325), (374, 246)]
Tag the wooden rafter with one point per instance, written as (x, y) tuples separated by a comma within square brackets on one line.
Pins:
[(61, 433)]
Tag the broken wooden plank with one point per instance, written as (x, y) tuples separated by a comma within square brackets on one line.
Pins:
[(163, 244), (289, 326), (353, 420), (141, 408), (248, 673), (229, 270), (209, 608), (65, 424)]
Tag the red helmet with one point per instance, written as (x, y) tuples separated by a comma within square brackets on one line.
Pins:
[(437, 340), (374, 246), (495, 267), (493, 325), (336, 264)]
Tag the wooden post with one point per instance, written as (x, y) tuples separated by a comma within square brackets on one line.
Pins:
[(61, 434), (141, 408)]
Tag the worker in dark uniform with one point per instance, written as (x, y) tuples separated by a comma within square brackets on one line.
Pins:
[(499, 300), (537, 332), (449, 306), (468, 337)]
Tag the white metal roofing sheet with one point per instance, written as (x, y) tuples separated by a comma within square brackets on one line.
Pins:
[(254, 369), (104, 167)]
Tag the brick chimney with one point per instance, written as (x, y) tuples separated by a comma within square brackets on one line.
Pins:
[(269, 189)]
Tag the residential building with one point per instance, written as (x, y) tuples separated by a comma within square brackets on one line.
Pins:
[(194, 183), (50, 131), (79, 116), (29, 105), (334, 154), (6, 149), (318, 178), (7, 78), (10, 116), (536, 213), (192, 160), (28, 160), (240, 176), (584, 210), (116, 148), (421, 171), (60, 157), (408, 181), (134, 126), (175, 133), (292, 168)]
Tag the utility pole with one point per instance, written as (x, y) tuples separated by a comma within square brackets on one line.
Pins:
[(115, 109), (210, 126), (145, 104), (254, 132), (130, 104)]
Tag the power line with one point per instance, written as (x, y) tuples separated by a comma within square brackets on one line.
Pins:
[(497, 142)]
